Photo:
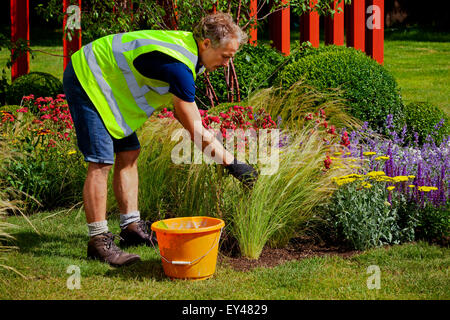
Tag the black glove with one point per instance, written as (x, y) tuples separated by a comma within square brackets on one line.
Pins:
[(243, 172)]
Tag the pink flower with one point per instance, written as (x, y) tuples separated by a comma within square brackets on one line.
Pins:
[(24, 110), (215, 119), (202, 112), (45, 116), (224, 115)]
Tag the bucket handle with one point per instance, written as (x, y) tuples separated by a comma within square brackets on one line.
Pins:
[(216, 241)]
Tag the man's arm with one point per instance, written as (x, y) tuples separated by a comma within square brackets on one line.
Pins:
[(188, 115)]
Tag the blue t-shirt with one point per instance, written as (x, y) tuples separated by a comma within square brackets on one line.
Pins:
[(160, 66)]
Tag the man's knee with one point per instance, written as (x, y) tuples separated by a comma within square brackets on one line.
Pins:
[(99, 169), (127, 158)]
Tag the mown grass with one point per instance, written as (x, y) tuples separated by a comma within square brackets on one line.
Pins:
[(410, 271)]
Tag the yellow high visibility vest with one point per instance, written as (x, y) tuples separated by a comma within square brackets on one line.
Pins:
[(123, 97)]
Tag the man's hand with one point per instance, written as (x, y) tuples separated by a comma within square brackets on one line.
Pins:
[(243, 172)]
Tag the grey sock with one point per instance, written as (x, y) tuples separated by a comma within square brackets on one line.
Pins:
[(98, 227), (126, 219)]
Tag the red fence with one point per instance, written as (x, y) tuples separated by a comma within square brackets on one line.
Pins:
[(362, 22)]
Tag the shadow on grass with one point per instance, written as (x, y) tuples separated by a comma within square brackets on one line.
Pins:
[(74, 246), (143, 270), (49, 244)]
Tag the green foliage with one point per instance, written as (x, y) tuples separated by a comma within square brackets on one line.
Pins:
[(256, 68), (45, 171), (364, 218), (370, 90), (434, 223), (423, 118), (40, 84)]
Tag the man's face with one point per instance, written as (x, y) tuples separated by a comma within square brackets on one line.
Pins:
[(213, 58)]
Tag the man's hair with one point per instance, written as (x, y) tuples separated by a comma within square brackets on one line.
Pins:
[(219, 28)]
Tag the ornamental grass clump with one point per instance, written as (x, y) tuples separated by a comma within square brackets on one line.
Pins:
[(280, 203)]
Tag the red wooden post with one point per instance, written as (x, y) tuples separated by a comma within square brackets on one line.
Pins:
[(280, 31), (20, 29), (309, 26), (375, 29), (334, 26), (356, 13), (71, 24), (253, 30)]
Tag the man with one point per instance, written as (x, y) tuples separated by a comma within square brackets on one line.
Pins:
[(112, 86)]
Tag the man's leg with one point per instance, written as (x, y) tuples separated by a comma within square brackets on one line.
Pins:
[(125, 182), (95, 192)]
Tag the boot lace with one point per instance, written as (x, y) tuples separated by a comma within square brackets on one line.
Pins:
[(145, 226), (109, 242)]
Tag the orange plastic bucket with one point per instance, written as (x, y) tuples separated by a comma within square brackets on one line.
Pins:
[(188, 246)]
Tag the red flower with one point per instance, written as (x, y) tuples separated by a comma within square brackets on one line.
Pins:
[(224, 115), (332, 130), (327, 162), (24, 110)]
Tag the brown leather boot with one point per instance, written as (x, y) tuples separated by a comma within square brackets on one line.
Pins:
[(137, 233), (102, 247)]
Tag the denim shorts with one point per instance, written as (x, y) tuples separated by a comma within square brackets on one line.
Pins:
[(94, 140)]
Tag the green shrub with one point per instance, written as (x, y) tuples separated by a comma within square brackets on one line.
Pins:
[(40, 84), (370, 90), (434, 223), (423, 118), (255, 68)]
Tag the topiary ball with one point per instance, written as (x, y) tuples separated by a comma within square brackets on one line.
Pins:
[(426, 119), (370, 90), (40, 84)]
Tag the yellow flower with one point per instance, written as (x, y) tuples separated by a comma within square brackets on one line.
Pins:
[(400, 178), (340, 181), (411, 186), (71, 152), (333, 158), (376, 173), (382, 158), (366, 185), (426, 189), (369, 153), (337, 153), (391, 188), (348, 153), (411, 177)]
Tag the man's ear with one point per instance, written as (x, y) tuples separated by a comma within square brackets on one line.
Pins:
[(206, 43)]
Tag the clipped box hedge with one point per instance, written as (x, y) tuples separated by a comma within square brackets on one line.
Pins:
[(371, 91)]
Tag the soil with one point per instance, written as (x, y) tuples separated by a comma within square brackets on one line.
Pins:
[(297, 249)]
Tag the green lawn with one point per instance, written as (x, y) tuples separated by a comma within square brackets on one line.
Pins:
[(411, 271), (422, 70)]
